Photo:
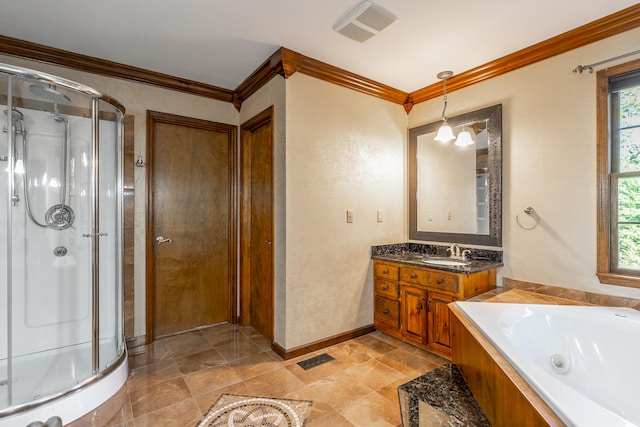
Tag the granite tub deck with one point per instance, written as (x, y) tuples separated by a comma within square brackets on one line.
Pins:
[(441, 397), (412, 253)]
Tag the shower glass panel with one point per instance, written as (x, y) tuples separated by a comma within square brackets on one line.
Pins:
[(110, 250), (61, 317)]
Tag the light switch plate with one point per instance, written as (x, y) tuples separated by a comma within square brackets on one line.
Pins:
[(349, 217), (379, 216)]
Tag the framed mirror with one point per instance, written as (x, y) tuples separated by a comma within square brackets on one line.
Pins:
[(455, 192)]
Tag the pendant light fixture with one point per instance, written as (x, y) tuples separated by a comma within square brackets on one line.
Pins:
[(464, 138), (445, 134)]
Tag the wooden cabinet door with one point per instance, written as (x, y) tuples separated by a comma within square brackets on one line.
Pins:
[(439, 322), (413, 307)]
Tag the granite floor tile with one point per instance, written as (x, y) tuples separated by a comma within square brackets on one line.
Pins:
[(255, 364), (204, 380), (218, 335), (241, 346), (182, 414), (152, 374), (202, 360), (176, 379), (335, 391), (276, 383), (187, 343), (374, 347), (153, 398), (372, 410), (332, 419), (406, 361), (374, 374)]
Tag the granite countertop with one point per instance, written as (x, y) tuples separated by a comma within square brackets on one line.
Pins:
[(415, 259)]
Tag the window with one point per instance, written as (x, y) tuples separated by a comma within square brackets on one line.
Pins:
[(619, 175)]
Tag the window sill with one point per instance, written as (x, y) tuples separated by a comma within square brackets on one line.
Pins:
[(619, 280)]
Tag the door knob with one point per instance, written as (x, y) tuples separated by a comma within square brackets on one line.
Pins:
[(161, 239), (268, 242)]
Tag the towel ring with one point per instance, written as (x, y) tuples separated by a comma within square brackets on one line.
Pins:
[(531, 212)]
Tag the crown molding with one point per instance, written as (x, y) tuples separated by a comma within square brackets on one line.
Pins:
[(616, 23), (90, 64), (286, 62)]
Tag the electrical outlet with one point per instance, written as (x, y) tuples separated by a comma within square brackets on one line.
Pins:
[(349, 217)]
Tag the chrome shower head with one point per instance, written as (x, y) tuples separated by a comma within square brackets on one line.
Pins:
[(15, 114), (50, 93)]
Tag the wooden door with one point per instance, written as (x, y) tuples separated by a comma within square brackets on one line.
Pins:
[(414, 314), (440, 322), (256, 232), (191, 223)]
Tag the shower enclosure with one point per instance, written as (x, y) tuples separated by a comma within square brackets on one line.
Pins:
[(62, 350)]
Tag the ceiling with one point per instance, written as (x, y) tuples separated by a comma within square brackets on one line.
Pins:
[(221, 42)]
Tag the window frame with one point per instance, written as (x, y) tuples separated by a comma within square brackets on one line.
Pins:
[(605, 179)]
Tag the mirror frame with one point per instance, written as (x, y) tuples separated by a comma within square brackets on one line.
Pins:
[(494, 131)]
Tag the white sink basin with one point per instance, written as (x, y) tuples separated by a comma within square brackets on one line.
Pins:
[(447, 262)]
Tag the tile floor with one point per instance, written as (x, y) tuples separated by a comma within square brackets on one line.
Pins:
[(174, 381)]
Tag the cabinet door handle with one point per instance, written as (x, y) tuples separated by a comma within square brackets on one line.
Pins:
[(385, 311), (413, 276), (385, 287), (421, 306), (385, 271), (440, 281), (429, 306)]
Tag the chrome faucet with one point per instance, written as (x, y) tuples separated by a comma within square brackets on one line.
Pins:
[(458, 253), (455, 251)]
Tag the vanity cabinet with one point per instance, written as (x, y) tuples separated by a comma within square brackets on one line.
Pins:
[(411, 301)]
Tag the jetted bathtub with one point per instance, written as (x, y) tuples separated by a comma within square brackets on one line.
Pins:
[(583, 361)]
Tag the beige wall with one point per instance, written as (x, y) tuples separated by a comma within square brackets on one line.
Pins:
[(345, 151), (549, 137)]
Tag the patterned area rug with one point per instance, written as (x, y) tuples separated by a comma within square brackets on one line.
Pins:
[(236, 410)]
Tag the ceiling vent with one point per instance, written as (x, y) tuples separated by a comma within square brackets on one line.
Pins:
[(364, 21)]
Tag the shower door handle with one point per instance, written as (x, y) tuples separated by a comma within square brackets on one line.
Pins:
[(161, 239)]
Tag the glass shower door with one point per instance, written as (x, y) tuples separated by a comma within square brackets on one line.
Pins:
[(50, 256)]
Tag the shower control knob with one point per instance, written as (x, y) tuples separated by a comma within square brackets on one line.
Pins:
[(161, 239)]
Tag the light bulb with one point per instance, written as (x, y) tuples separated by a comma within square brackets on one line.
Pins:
[(445, 133), (464, 139)]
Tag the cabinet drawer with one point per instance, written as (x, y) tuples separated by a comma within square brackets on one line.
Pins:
[(414, 275), (387, 289), (443, 281), (387, 312), (385, 271)]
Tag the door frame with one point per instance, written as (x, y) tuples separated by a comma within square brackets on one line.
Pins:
[(154, 117), (247, 128)]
